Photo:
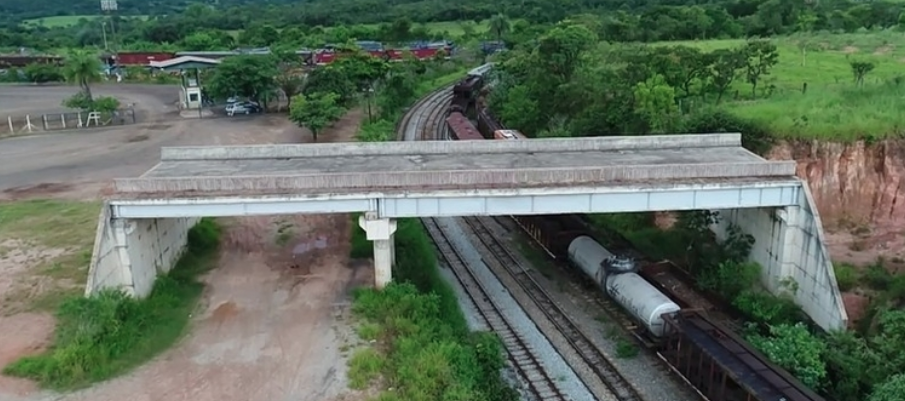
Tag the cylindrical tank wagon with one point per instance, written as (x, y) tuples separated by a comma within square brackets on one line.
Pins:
[(616, 277)]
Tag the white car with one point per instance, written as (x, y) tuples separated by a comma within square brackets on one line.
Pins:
[(242, 108)]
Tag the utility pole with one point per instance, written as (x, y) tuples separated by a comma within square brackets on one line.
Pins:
[(104, 28), (109, 7)]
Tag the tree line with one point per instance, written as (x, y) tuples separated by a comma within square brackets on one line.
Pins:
[(301, 24)]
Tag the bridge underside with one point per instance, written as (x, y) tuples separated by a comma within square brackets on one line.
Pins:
[(778, 212)]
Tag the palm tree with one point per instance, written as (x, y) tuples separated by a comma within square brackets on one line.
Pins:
[(499, 25), (83, 68)]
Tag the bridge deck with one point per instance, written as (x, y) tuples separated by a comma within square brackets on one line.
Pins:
[(242, 170)]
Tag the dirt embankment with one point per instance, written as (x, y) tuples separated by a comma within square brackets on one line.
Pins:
[(859, 189)]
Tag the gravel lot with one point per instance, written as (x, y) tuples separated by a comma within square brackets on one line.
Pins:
[(273, 323)]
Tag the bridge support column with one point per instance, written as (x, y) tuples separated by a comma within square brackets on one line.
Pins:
[(382, 232)]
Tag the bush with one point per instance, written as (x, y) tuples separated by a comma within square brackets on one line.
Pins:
[(107, 334), (767, 308), (891, 390), (794, 348), (430, 359), (729, 279), (846, 276), (755, 137)]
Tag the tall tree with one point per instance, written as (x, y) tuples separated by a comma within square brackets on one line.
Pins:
[(83, 68), (315, 111), (248, 76), (499, 25)]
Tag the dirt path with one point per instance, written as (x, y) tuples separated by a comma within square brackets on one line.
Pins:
[(274, 321)]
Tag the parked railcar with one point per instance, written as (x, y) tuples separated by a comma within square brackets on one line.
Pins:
[(460, 129), (508, 134), (487, 124), (723, 366), (615, 276)]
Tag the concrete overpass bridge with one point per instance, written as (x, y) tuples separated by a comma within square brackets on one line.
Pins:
[(143, 227)]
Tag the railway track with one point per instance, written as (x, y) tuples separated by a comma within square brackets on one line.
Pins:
[(424, 121), (523, 358), (599, 363)]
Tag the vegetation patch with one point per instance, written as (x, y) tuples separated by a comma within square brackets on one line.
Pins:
[(846, 365), (105, 335), (423, 349), (58, 237)]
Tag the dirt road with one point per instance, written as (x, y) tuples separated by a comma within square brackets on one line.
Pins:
[(274, 320)]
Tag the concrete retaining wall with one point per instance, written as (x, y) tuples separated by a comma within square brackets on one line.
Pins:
[(446, 147), (791, 249), (130, 254)]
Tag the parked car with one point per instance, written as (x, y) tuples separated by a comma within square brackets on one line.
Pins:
[(243, 108)]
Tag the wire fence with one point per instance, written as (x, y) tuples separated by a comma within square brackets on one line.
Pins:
[(37, 123)]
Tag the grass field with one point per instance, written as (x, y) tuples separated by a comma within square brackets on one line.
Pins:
[(65, 20), (833, 107), (56, 237)]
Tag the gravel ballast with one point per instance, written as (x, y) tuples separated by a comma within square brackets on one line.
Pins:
[(569, 383)]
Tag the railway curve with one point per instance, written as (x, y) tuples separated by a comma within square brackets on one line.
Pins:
[(424, 121)]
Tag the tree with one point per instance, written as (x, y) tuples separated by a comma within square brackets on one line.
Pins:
[(331, 79), (724, 66), (499, 25), (860, 69), (248, 76), (656, 101), (760, 57), (290, 79), (83, 68), (315, 111)]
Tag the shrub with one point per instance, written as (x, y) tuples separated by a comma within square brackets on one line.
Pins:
[(846, 276), (104, 335), (794, 348), (766, 308)]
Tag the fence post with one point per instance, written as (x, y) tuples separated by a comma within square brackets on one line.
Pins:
[(28, 125), (44, 120)]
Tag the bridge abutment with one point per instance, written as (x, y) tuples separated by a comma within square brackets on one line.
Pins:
[(129, 254), (789, 245), (382, 233)]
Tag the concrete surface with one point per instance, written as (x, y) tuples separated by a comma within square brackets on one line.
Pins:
[(442, 164), (790, 245), (129, 254)]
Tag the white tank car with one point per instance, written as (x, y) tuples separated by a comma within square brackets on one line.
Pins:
[(588, 255), (641, 299)]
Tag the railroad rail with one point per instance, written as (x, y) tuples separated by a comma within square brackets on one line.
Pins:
[(423, 122), (523, 357), (596, 360)]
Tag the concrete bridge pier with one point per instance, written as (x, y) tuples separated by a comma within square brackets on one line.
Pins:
[(382, 232)]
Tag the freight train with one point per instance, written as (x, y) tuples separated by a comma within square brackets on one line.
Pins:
[(719, 364)]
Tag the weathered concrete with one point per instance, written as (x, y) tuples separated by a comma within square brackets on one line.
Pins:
[(555, 145), (382, 233), (789, 245), (329, 168), (129, 254)]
